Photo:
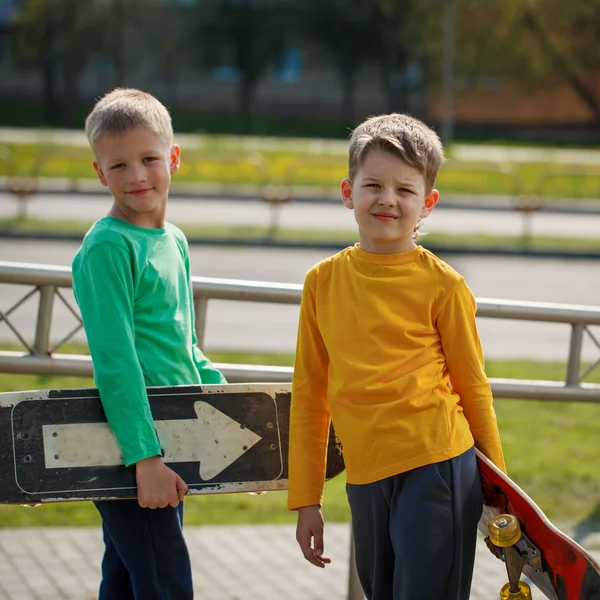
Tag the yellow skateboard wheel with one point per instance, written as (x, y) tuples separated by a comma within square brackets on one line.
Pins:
[(524, 592), (504, 530)]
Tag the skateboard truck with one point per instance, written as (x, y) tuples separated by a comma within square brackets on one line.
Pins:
[(508, 543)]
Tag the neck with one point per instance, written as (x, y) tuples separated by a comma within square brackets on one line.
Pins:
[(150, 220)]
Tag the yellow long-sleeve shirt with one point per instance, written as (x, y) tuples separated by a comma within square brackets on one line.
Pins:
[(388, 349)]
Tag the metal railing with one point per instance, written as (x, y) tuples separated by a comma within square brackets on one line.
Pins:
[(48, 282)]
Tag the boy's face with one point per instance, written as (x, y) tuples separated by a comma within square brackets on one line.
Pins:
[(137, 167), (388, 197)]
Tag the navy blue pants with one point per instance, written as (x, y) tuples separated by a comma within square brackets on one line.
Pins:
[(415, 533), (145, 555)]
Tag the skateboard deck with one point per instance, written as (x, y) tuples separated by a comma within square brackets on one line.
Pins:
[(55, 445), (554, 563)]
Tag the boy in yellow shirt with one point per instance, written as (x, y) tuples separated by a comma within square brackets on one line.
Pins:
[(388, 349)]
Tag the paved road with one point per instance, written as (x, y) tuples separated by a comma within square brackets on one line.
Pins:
[(254, 326), (324, 216), (228, 563)]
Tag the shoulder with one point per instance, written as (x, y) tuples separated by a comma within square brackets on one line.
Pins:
[(175, 231), (178, 236), (439, 271), (105, 239), (106, 231), (324, 268), (443, 282)]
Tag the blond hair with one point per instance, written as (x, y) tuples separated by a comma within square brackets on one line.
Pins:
[(401, 135), (125, 109)]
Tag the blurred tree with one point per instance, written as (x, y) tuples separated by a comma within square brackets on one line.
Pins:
[(535, 42), (245, 36), (567, 35), (57, 38), (403, 47), (348, 32)]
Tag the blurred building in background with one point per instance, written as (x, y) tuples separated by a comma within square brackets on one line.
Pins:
[(520, 69)]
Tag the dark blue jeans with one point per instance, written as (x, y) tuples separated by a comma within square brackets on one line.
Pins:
[(415, 533), (145, 555)]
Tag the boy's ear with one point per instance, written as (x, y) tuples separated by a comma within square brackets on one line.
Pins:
[(100, 174), (175, 159), (346, 188), (430, 202)]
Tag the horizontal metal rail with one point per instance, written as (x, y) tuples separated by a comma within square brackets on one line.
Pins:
[(49, 279), (81, 366), (290, 293)]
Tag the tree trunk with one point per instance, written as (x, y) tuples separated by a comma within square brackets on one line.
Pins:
[(50, 75), (51, 103), (348, 105), (246, 91), (118, 54), (70, 96)]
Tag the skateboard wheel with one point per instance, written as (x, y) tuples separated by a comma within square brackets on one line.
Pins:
[(504, 530), (524, 592)]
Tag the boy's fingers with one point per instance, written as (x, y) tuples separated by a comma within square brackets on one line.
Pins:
[(310, 554), (182, 488), (318, 542), (304, 540)]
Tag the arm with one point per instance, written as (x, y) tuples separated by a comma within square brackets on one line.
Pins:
[(208, 373), (309, 430), (104, 289), (464, 359)]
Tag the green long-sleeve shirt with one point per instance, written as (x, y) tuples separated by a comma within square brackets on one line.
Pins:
[(133, 287)]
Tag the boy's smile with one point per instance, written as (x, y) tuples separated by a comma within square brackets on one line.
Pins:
[(388, 197), (136, 166)]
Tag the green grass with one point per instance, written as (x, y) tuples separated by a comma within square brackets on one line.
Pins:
[(337, 237), (221, 160), (551, 450)]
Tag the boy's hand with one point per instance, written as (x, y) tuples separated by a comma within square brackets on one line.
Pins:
[(158, 486), (311, 527)]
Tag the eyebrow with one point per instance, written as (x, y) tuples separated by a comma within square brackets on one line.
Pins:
[(401, 183), (145, 153)]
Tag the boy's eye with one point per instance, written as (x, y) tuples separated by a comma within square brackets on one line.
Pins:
[(407, 190), (117, 166), (150, 158), (375, 185)]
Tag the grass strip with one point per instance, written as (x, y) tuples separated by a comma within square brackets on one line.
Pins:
[(218, 162)]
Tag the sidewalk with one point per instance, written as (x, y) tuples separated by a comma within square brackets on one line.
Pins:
[(243, 562)]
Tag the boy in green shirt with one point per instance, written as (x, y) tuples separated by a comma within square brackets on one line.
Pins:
[(131, 279)]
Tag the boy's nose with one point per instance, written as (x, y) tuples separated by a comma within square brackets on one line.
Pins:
[(387, 198), (137, 173)]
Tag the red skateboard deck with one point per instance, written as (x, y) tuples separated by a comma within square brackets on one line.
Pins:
[(555, 563)]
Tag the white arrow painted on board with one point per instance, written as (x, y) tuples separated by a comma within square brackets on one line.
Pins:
[(213, 439)]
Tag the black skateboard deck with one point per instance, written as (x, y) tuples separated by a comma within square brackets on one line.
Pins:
[(56, 445)]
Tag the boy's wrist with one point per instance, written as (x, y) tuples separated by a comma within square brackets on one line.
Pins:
[(148, 463), (309, 507)]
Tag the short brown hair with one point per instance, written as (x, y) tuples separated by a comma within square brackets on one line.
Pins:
[(125, 109), (400, 135)]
